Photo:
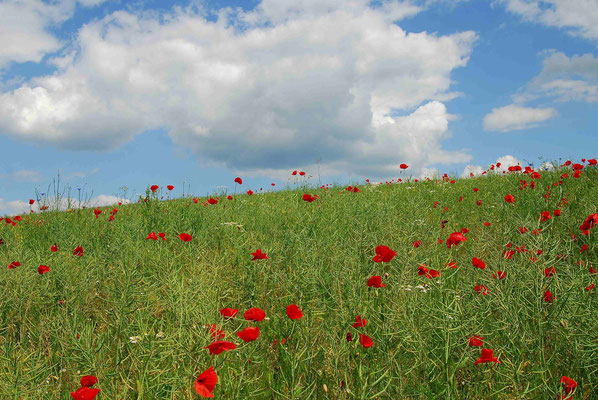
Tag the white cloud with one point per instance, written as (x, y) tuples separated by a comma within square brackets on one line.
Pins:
[(515, 117), (269, 89), (476, 170), (23, 175), (577, 17), (565, 78), (25, 28)]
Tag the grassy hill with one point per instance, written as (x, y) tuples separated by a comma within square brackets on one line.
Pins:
[(133, 311)]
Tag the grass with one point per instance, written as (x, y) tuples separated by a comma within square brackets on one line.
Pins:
[(135, 310)]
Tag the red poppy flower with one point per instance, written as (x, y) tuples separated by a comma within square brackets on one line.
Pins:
[(301, 173), (239, 180), (590, 287), (169, 187), (206, 382), (481, 289), (78, 251), (220, 346), (85, 393), (548, 296), (97, 212), (254, 314), (545, 216), (592, 270), (162, 235), (152, 236), (229, 312), (569, 384), (365, 341), (550, 271), (185, 237), (258, 255), (249, 192), (479, 202), (249, 334), (88, 381), (476, 341), (557, 213), (212, 201), (14, 264), (42, 269), (403, 166), (294, 172), (500, 275), (486, 357), (294, 312), (215, 332), (417, 243), (54, 248), (487, 224), (592, 161), (510, 198), (349, 337), (359, 322), (384, 254), (584, 248), (478, 263), (455, 238), (376, 281), (31, 201), (309, 198)]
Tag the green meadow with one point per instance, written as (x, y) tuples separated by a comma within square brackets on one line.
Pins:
[(133, 311)]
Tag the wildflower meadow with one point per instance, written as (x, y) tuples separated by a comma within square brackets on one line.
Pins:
[(446, 288)]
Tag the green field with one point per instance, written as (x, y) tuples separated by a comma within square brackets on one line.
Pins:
[(133, 311)]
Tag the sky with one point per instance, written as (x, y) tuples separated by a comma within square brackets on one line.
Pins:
[(114, 96)]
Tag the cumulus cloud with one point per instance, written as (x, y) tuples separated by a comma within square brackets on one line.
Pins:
[(515, 117), (269, 89), (576, 17), (25, 27), (564, 78)]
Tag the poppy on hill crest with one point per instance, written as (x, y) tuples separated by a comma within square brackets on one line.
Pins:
[(78, 251), (309, 198), (220, 346), (258, 255), (478, 263), (249, 334), (229, 197), (486, 357), (212, 201), (301, 173), (476, 341), (31, 201), (360, 322), (365, 341), (384, 254), (42, 269), (97, 212), (169, 187), (229, 312), (206, 382), (376, 282), (403, 166), (153, 188), (249, 192), (294, 312), (254, 314), (239, 180), (294, 172), (185, 237)]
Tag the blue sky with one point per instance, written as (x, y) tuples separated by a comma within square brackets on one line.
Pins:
[(114, 94)]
